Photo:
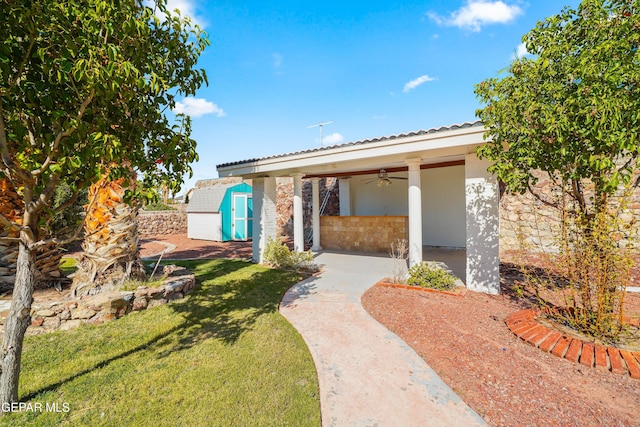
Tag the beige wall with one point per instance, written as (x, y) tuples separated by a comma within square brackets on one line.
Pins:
[(362, 233)]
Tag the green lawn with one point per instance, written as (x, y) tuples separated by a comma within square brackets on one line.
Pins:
[(224, 356)]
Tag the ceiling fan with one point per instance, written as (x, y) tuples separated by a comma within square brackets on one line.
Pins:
[(383, 179)]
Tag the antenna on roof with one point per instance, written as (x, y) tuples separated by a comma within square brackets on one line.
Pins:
[(320, 125)]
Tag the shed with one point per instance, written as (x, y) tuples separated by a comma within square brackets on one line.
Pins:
[(221, 213)]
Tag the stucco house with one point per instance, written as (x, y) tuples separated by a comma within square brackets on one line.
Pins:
[(426, 186)]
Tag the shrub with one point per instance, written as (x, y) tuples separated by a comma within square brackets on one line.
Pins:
[(158, 207), (429, 275), (398, 253), (278, 255)]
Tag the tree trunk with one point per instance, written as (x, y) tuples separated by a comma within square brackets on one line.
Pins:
[(16, 325), (48, 257), (110, 249)]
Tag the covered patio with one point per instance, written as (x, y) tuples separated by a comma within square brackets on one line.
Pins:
[(428, 187)]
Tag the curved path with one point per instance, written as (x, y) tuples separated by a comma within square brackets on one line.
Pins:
[(367, 375)]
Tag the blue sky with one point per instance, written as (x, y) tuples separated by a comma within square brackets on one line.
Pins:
[(374, 68)]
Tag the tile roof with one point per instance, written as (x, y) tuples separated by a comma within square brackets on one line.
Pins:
[(361, 142)]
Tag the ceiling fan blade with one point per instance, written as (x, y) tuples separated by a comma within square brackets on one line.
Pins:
[(370, 180), (397, 177)]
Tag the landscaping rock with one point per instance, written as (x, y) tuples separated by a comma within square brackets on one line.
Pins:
[(107, 306)]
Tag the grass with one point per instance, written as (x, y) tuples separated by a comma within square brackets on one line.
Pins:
[(223, 356)]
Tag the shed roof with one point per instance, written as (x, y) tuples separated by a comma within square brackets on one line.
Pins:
[(208, 199)]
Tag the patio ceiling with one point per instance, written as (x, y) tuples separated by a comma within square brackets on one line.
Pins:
[(436, 147)]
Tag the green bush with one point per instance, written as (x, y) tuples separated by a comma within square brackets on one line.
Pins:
[(428, 275), (278, 255)]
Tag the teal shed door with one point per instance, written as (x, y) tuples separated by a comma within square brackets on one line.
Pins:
[(242, 216)]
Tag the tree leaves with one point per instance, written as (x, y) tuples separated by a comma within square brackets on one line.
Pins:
[(573, 109)]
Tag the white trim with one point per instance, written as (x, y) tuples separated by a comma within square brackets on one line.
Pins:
[(450, 143)]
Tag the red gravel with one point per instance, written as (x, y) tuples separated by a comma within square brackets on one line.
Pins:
[(508, 382), (194, 249)]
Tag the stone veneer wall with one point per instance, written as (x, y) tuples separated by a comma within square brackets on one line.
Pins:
[(362, 233), (152, 223), (284, 197), (525, 219)]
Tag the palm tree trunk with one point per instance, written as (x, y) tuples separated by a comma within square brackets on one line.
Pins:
[(48, 257), (111, 254)]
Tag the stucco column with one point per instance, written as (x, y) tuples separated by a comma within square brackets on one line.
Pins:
[(298, 220), (264, 214), (345, 196), (483, 225), (315, 201), (415, 212)]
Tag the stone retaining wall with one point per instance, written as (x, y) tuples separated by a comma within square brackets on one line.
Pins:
[(96, 309), (151, 223)]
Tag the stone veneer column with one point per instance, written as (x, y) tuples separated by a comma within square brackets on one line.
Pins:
[(298, 220), (315, 202), (345, 196), (264, 214), (415, 212), (483, 226)]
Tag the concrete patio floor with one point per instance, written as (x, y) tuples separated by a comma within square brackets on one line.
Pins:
[(367, 375)]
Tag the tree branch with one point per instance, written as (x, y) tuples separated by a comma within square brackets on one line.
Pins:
[(26, 57), (538, 197), (4, 150), (61, 135)]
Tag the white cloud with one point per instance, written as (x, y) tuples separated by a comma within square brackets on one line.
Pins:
[(196, 107), (417, 82), (521, 50), (334, 138), (478, 13), (186, 8)]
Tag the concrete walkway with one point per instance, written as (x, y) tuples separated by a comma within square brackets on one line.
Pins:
[(368, 376)]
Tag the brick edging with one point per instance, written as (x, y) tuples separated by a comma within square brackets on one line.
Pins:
[(462, 292), (525, 325)]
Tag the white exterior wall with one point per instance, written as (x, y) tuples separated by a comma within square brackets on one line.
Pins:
[(264, 214), (443, 203), (204, 226), (371, 200), (483, 227), (443, 207)]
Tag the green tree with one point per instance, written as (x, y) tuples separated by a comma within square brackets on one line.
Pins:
[(85, 87), (571, 111)]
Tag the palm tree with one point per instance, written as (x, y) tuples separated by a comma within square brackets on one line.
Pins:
[(48, 257), (11, 208), (111, 255)]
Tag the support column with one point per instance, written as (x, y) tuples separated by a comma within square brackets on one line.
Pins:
[(345, 196), (264, 215), (315, 202), (415, 212), (483, 225), (298, 219)]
